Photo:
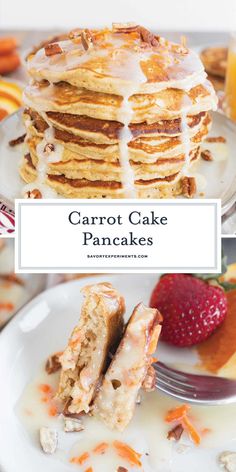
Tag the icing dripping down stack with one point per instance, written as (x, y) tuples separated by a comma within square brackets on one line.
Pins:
[(114, 113)]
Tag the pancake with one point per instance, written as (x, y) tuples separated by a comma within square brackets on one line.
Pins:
[(118, 60), (116, 399), (166, 104), (113, 113), (98, 333)]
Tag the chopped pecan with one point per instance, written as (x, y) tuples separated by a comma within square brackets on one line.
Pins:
[(176, 432), (49, 148), (53, 363), (228, 460), (206, 155), (75, 33), (52, 49), (149, 383), (19, 140), (124, 27), (215, 139), (48, 439), (35, 193), (72, 425), (148, 37), (87, 39), (121, 469), (189, 186)]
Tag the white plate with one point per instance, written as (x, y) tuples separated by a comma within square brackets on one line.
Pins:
[(220, 175), (43, 327)]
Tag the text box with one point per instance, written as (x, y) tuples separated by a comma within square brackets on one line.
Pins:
[(118, 235)]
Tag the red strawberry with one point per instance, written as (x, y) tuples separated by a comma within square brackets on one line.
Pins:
[(191, 308)]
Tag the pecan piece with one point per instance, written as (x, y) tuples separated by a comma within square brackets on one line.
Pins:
[(72, 425), (48, 439), (148, 37), (19, 140), (53, 363), (176, 432), (121, 469), (35, 193), (124, 27), (49, 148), (189, 186), (149, 383), (228, 460), (87, 39), (215, 139), (206, 155), (75, 33), (52, 49)]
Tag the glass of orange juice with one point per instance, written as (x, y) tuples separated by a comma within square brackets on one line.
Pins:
[(230, 86)]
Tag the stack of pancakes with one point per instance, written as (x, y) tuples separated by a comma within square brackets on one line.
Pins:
[(114, 113)]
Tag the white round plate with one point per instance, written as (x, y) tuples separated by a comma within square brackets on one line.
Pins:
[(220, 175), (42, 328)]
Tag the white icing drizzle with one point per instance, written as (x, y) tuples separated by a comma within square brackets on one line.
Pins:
[(44, 158), (186, 140)]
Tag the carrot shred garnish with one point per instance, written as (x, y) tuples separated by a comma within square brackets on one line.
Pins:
[(205, 431), (44, 399), (52, 411), (6, 306), (191, 430), (81, 459), (90, 469), (45, 388), (126, 452), (100, 448), (177, 413), (154, 359)]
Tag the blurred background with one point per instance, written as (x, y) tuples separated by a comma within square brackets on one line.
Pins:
[(175, 15)]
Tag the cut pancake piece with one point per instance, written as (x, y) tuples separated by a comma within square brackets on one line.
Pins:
[(85, 358), (116, 399)]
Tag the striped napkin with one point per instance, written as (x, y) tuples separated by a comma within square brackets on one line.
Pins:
[(7, 220)]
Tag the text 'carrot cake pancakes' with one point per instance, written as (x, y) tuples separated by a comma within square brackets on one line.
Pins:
[(114, 113), (85, 358), (130, 369)]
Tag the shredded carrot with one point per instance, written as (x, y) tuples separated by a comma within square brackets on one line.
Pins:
[(90, 469), (205, 431), (52, 411), (6, 306), (45, 399), (81, 459), (45, 388), (154, 359), (126, 452), (191, 430), (100, 448), (177, 413)]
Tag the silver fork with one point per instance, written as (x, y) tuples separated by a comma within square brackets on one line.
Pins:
[(201, 389)]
